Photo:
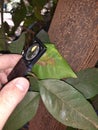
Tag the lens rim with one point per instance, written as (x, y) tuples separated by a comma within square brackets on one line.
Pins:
[(35, 53)]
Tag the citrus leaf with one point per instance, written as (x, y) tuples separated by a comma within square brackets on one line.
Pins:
[(24, 112), (2, 41), (37, 13), (17, 46), (87, 82), (29, 20), (70, 128), (52, 65), (2, 45), (38, 3), (67, 105), (43, 36), (34, 84), (19, 14)]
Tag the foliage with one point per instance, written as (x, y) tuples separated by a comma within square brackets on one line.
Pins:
[(66, 100), (24, 111), (52, 65), (86, 79), (30, 12), (67, 105)]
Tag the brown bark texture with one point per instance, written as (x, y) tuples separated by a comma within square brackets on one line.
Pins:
[(74, 31)]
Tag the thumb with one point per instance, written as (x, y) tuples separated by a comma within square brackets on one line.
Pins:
[(10, 96)]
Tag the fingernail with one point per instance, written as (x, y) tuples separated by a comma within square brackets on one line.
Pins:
[(22, 84)]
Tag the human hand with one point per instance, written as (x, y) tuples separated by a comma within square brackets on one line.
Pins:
[(14, 91)]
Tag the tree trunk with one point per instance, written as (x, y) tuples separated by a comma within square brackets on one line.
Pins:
[(74, 31)]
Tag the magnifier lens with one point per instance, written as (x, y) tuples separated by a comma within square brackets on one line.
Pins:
[(32, 52)]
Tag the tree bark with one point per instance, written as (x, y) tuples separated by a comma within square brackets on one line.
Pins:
[(74, 31)]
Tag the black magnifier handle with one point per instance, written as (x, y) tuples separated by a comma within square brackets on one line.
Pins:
[(29, 57), (20, 70)]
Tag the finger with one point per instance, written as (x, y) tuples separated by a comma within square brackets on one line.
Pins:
[(7, 71), (8, 60), (3, 78), (10, 96), (4, 74)]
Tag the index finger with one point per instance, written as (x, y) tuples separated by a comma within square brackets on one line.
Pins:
[(8, 60)]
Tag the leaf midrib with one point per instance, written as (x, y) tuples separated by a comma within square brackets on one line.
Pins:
[(86, 118)]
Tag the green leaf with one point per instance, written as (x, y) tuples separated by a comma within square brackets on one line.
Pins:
[(34, 84), (2, 41), (67, 105), (52, 65), (17, 46), (70, 128), (29, 20), (19, 14), (87, 82), (43, 36), (38, 14), (24, 112), (38, 3), (29, 9), (6, 27)]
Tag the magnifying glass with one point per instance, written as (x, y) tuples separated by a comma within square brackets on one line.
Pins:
[(32, 52), (29, 57)]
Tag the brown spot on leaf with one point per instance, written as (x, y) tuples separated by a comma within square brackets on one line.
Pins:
[(46, 61)]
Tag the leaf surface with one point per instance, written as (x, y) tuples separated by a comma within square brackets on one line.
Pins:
[(17, 46), (34, 84), (19, 14), (52, 65), (67, 105), (24, 112), (86, 82), (43, 36), (2, 41), (70, 128)]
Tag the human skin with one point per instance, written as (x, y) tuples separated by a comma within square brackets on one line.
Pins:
[(14, 91)]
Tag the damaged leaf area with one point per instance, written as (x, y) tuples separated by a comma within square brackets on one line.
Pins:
[(52, 65), (46, 61)]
